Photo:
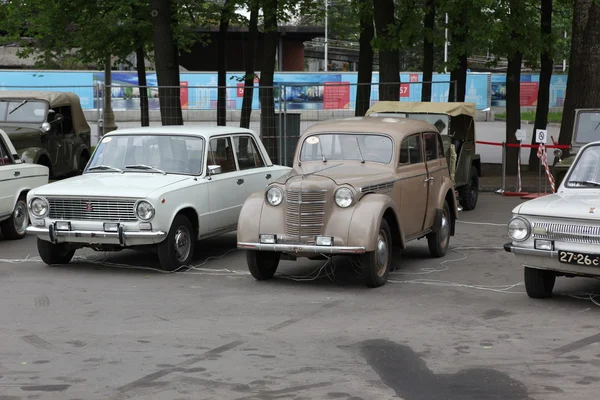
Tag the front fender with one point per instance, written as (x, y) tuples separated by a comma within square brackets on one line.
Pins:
[(366, 218), (32, 155), (250, 217)]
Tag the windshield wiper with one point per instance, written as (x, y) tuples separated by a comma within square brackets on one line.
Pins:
[(322, 153), (592, 183), (362, 160), (104, 168), (146, 167), (19, 106)]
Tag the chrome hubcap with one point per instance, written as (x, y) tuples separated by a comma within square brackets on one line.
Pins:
[(444, 229), (381, 254), (20, 218), (182, 243)]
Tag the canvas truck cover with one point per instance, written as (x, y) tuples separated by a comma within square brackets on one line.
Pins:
[(450, 108)]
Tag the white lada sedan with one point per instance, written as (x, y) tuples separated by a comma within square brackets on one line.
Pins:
[(164, 187), (559, 234)]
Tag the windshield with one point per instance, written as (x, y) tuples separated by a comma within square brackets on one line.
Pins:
[(586, 171), (25, 110), (440, 121), (149, 153), (588, 127), (338, 146)]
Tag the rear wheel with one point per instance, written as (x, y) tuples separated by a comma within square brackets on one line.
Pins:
[(539, 283), (262, 264), (15, 227), (376, 264), (439, 241), (54, 253), (469, 193), (177, 250)]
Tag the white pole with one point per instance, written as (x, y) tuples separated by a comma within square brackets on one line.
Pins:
[(446, 46), (326, 1), (565, 61)]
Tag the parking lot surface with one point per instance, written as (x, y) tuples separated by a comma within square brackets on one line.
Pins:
[(460, 327)]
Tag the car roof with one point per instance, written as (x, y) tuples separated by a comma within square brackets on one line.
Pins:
[(396, 127), (450, 108), (205, 131)]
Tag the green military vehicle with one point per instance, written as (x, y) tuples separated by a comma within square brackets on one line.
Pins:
[(586, 129), (47, 128), (456, 124)]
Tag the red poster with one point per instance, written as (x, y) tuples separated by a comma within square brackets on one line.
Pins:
[(404, 90), (336, 95), (529, 93), (414, 77), (240, 90), (183, 94)]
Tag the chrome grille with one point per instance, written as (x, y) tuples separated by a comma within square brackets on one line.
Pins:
[(305, 212), (568, 232), (379, 186), (113, 210)]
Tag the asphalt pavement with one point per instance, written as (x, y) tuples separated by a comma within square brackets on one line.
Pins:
[(460, 327)]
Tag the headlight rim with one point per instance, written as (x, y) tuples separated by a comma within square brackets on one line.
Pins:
[(30, 205), (281, 194), (137, 214), (335, 196), (527, 225)]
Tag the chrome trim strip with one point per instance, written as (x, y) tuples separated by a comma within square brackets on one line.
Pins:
[(98, 234), (377, 186), (530, 252), (301, 248), (22, 177)]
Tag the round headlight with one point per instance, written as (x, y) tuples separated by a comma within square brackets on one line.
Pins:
[(343, 197), (274, 196), (38, 207), (519, 229), (144, 210)]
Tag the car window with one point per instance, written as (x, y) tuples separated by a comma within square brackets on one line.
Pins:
[(431, 151), (440, 147), (247, 152), (410, 150), (338, 146), (586, 171), (26, 111), (4, 156), (220, 152)]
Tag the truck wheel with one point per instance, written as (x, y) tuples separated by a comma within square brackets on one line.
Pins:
[(469, 194), (83, 160), (177, 249), (54, 253), (376, 264), (15, 227), (539, 283), (439, 241), (262, 264)]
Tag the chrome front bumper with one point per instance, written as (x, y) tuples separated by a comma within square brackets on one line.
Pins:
[(98, 237), (529, 252), (302, 248)]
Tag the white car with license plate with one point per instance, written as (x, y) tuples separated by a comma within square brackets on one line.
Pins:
[(163, 187), (16, 179), (559, 234)]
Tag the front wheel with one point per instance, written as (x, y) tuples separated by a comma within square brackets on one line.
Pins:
[(539, 283), (439, 241), (262, 264), (54, 253), (468, 194), (177, 250), (15, 227), (376, 264)]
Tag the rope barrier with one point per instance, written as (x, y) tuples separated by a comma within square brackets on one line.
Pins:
[(529, 146)]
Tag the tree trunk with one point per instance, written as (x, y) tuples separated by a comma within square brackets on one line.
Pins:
[(459, 31), (268, 123), (365, 58), (250, 65), (547, 65), (428, 49), (513, 108), (576, 81), (167, 62), (141, 70), (389, 58), (222, 63)]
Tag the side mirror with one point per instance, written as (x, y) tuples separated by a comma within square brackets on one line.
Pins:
[(58, 118), (558, 154), (214, 169)]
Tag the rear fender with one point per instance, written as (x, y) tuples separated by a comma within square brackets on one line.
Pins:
[(32, 155)]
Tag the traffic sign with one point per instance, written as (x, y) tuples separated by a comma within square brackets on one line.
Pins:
[(541, 136)]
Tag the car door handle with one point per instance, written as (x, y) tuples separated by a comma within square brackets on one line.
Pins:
[(268, 176), (17, 173), (240, 181), (428, 179)]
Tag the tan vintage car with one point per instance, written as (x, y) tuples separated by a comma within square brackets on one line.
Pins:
[(359, 186)]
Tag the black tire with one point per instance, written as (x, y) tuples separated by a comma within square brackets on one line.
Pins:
[(439, 241), (376, 264), (15, 227), (262, 264), (539, 283), (177, 250), (46, 163), (83, 160), (468, 194), (54, 253)]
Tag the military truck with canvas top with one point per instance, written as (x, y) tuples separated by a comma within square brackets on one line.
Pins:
[(47, 128), (456, 123)]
